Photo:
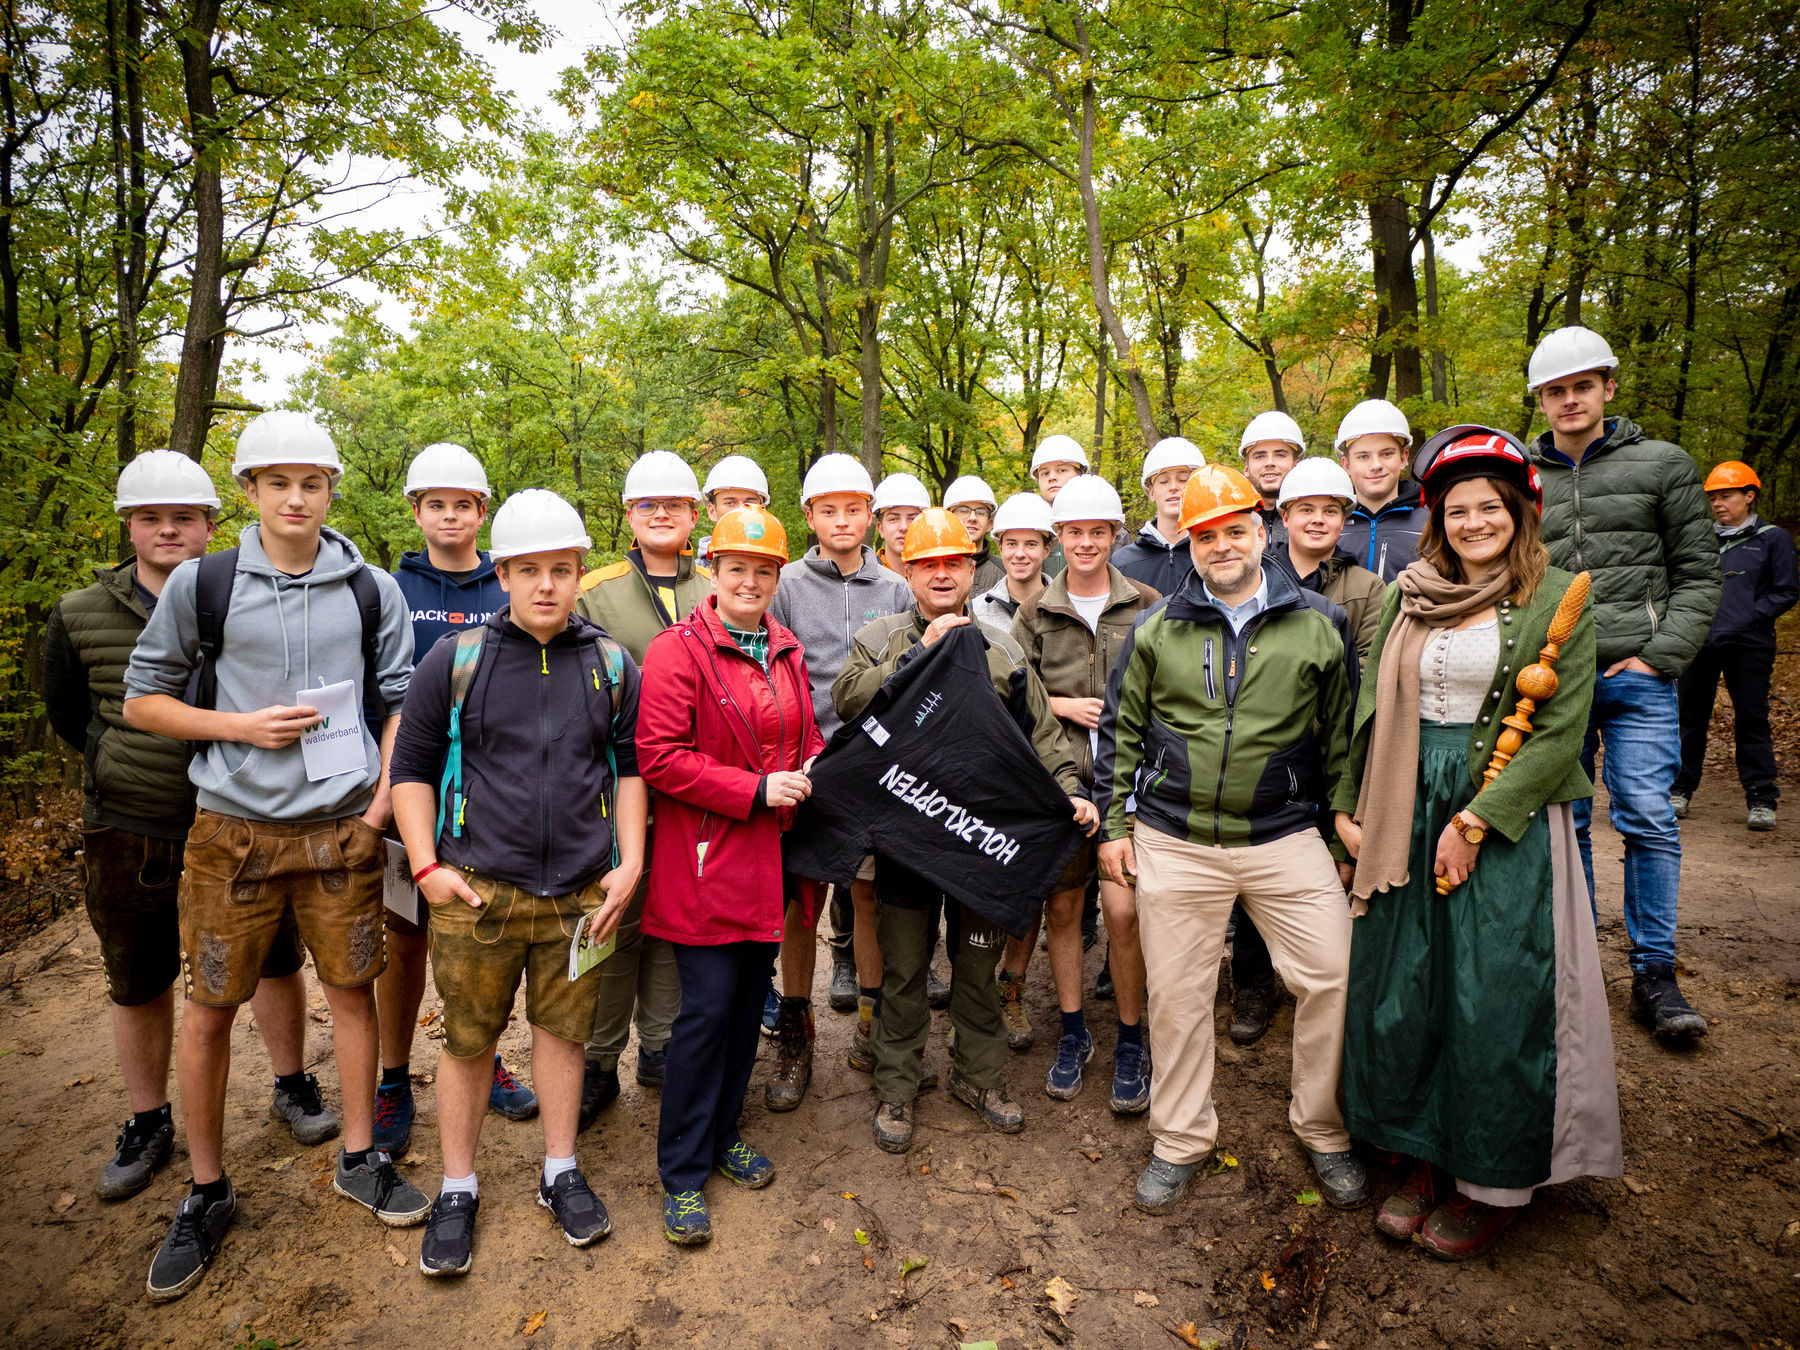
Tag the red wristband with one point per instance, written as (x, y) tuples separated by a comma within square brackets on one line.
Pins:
[(425, 871)]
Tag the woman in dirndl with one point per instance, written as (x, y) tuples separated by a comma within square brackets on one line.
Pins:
[(1477, 1043)]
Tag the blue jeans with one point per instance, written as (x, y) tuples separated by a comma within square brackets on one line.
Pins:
[(1637, 718)]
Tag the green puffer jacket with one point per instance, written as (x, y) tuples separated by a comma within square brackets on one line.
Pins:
[(133, 780), (1070, 658), (1632, 514), (1548, 766), (1227, 739)]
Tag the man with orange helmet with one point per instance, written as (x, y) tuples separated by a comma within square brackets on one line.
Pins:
[(1761, 584)]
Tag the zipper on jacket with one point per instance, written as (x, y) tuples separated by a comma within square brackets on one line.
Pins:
[(1650, 608), (1575, 479), (1206, 667), (544, 770), (1232, 643)]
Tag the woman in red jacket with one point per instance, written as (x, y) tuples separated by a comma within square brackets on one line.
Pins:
[(725, 735)]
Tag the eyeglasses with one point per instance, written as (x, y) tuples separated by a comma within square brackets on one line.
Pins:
[(967, 513), (660, 506)]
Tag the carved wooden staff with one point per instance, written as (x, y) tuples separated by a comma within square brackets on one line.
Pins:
[(1535, 684)]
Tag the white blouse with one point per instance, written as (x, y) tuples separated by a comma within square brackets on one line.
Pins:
[(1455, 670)]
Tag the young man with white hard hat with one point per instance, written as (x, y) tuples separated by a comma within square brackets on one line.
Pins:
[(1270, 446), (1158, 557), (898, 500), (1024, 532), (653, 586), (1071, 634), (1057, 460), (1382, 532), (1631, 512), (1315, 498), (292, 801), (517, 794), (736, 480), (972, 502), (824, 598), (449, 585), (137, 807)]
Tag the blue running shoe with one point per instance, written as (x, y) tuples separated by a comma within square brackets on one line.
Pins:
[(745, 1166), (509, 1096), (1064, 1079), (394, 1118), (1131, 1079), (771, 1009), (686, 1222)]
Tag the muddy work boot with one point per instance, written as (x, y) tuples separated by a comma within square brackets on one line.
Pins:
[(793, 1055), (1761, 819), (862, 1040), (894, 1127), (1678, 803), (1464, 1228), (1000, 1111), (1341, 1177), (1404, 1212), (1162, 1184), (844, 989), (1019, 1035), (1251, 1010), (1656, 1003)]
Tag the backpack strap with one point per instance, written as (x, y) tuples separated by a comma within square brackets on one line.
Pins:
[(212, 601), (368, 606), (609, 656), (463, 664)]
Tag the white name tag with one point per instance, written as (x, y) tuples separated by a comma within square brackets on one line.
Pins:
[(335, 743)]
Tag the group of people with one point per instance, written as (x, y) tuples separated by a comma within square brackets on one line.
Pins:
[(1307, 709)]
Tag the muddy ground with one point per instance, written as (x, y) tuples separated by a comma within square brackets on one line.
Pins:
[(1698, 1245)]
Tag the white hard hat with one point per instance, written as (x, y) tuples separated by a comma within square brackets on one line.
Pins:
[(1272, 426), (1320, 476), (285, 438), (1569, 351), (969, 488), (1023, 511), (737, 471), (1059, 450), (164, 478), (836, 473), (1373, 417), (536, 521), (660, 474), (1089, 497), (1171, 452), (446, 465), (901, 489)]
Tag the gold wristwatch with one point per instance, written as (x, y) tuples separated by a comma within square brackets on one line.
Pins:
[(1471, 832)]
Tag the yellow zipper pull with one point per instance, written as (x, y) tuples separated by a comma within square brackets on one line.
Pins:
[(544, 656)]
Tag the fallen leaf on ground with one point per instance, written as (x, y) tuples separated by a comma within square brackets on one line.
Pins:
[(79, 1082), (1188, 1334), (535, 1323), (912, 1263), (1006, 1282), (1062, 1295), (868, 1264), (1009, 1194), (1090, 1155), (281, 1164), (1221, 1162), (1144, 1298), (428, 1019), (924, 1169), (1307, 1197), (862, 1237), (1268, 1280), (850, 1195), (63, 1201), (394, 1254)]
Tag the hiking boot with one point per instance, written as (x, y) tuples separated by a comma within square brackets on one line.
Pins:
[(1404, 1212), (652, 1067), (599, 1090), (771, 1009), (1103, 986), (448, 1247), (1251, 1011), (1161, 1184), (1131, 1079), (844, 988), (862, 1048), (1656, 1002), (793, 1055), (509, 1097), (745, 1166), (576, 1207), (686, 1221), (378, 1187), (304, 1112), (1000, 1111), (139, 1153), (1064, 1079), (1678, 802), (1464, 1228), (894, 1127), (937, 993), (394, 1111), (1342, 1179), (1019, 1035), (1761, 819), (188, 1249)]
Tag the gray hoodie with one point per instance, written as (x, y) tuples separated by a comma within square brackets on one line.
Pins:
[(282, 634), (824, 609)]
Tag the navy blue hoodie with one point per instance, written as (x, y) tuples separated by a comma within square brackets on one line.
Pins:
[(438, 603), (1386, 541)]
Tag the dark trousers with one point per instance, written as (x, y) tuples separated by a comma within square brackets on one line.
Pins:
[(905, 1022), (1251, 967), (843, 925), (712, 1049), (1747, 671)]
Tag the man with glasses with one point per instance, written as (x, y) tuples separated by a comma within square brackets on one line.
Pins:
[(972, 502)]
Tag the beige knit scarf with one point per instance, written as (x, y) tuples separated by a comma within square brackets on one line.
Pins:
[(1384, 803)]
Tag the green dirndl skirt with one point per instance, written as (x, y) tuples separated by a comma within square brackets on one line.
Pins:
[(1450, 1033)]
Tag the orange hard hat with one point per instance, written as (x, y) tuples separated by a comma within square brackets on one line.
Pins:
[(1215, 490), (1733, 473), (750, 529), (936, 534)]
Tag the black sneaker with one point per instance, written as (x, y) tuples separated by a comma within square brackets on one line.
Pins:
[(1251, 1011), (1103, 987), (1656, 1002), (844, 989), (188, 1249), (139, 1154), (652, 1066), (599, 1090), (576, 1207), (378, 1187), (304, 1111), (449, 1245)]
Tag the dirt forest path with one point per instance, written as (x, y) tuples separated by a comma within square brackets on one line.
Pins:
[(1699, 1245)]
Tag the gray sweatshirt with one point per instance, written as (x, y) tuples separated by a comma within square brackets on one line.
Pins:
[(825, 609), (282, 635)]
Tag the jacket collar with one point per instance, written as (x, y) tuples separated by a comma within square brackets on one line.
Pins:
[(1408, 498), (120, 582), (706, 613), (1614, 432), (870, 570), (684, 565), (1119, 591), (1191, 602), (1151, 537)]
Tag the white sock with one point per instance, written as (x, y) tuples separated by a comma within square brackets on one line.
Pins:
[(460, 1185), (555, 1167)]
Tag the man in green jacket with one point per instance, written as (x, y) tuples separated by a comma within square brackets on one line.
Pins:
[(1227, 715), (1630, 511), (136, 811)]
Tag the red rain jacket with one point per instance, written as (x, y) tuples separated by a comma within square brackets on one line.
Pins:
[(710, 725)]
